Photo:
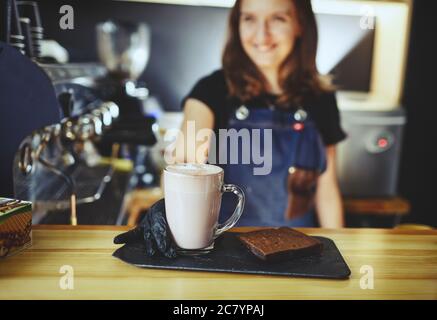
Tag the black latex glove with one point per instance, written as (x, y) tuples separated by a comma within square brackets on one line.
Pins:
[(153, 231)]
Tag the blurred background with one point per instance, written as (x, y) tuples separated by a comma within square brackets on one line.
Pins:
[(145, 56)]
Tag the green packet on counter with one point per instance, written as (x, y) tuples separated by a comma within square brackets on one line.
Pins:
[(15, 226)]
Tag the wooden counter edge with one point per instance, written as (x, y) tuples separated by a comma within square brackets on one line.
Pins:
[(247, 229)]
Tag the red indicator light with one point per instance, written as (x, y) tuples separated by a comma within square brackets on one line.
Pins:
[(298, 126), (382, 143)]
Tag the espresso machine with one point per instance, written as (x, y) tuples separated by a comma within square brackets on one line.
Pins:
[(60, 167)]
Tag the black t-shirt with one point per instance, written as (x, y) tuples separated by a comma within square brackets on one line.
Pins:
[(212, 91)]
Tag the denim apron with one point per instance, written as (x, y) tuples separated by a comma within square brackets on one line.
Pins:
[(295, 142)]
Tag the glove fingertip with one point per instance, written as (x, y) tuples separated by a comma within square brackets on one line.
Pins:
[(120, 239)]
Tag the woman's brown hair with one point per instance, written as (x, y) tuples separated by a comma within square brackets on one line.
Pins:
[(298, 75)]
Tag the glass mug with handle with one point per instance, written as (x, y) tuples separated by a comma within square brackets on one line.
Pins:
[(193, 195)]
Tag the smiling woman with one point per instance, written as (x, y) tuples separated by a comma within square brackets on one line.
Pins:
[(267, 32), (270, 84), (280, 39)]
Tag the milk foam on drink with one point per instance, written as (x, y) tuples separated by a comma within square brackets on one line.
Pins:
[(194, 169), (193, 195)]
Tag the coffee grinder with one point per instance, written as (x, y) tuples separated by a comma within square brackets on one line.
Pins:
[(124, 49)]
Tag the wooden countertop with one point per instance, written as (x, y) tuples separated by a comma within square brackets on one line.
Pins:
[(404, 265)]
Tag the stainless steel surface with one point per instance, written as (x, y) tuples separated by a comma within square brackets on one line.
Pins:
[(83, 74), (48, 181), (60, 161), (368, 160)]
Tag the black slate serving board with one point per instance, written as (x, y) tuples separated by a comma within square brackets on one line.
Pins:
[(230, 255)]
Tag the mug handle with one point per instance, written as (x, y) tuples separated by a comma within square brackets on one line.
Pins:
[(237, 212)]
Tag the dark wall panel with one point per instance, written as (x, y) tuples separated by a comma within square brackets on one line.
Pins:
[(418, 179)]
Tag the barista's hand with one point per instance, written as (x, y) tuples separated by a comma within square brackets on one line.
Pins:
[(154, 231)]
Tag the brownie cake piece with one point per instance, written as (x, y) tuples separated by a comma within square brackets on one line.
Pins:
[(280, 243)]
